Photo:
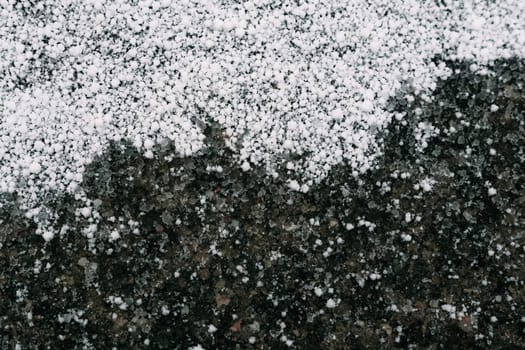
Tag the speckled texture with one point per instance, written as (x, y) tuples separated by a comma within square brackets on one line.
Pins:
[(219, 247)]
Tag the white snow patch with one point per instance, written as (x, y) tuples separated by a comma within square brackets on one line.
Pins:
[(318, 92)]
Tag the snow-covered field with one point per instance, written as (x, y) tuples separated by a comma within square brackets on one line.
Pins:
[(304, 78)]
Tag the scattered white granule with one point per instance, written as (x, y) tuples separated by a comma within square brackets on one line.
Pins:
[(86, 212), (114, 235), (330, 303), (374, 276), (423, 133), (406, 237), (294, 185), (451, 309), (48, 235), (212, 329), (426, 184), (318, 291), (196, 347), (165, 310), (492, 191), (148, 144), (494, 108), (245, 166)]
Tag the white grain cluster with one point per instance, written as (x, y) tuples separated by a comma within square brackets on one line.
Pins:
[(303, 77)]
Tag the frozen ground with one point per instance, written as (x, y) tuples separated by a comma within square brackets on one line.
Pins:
[(220, 175)]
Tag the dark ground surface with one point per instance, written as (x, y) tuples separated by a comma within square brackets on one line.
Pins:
[(242, 252)]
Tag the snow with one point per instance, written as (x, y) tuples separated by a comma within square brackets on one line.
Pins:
[(245, 166), (367, 106), (288, 144), (165, 310), (406, 237), (149, 143), (374, 276), (86, 212), (114, 235), (340, 36), (448, 308), (35, 168), (294, 185), (196, 347), (48, 235), (494, 108), (451, 309), (426, 184), (281, 90), (75, 51), (330, 303)]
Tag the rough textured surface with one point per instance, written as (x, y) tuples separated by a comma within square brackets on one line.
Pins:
[(304, 77), (425, 251)]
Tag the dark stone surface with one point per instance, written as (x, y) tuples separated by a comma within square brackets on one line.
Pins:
[(466, 246)]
